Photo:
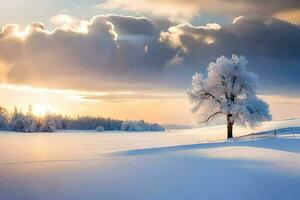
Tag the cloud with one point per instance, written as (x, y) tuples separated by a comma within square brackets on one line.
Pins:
[(257, 36), (235, 20), (186, 10), (109, 54), (80, 95), (63, 19), (292, 16), (129, 96), (116, 53), (268, 43), (173, 9), (68, 23), (201, 34)]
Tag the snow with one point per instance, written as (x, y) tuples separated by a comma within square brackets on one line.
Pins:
[(178, 164)]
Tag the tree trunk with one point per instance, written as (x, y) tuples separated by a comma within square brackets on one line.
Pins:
[(229, 127)]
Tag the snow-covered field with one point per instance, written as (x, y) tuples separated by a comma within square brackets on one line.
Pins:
[(178, 164)]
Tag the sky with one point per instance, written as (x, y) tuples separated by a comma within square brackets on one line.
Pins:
[(134, 59)]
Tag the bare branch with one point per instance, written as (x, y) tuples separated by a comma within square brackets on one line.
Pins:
[(210, 95), (213, 115)]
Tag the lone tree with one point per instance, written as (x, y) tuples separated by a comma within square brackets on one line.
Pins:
[(228, 89)]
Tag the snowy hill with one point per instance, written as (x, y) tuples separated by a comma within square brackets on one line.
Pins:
[(175, 165)]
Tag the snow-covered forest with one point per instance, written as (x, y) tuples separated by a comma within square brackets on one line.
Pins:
[(28, 122)]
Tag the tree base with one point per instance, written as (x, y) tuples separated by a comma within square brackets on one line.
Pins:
[(229, 131)]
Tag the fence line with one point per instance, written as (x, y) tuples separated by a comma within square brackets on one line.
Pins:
[(289, 132)]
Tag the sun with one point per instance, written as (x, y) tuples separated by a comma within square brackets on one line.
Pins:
[(40, 110)]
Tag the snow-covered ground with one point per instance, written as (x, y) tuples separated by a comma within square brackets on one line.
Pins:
[(178, 164)]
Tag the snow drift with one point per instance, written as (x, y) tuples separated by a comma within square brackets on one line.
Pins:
[(175, 165)]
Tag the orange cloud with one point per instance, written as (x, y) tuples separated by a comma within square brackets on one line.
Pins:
[(292, 16), (186, 10)]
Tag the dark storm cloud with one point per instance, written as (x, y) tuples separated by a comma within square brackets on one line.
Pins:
[(272, 47), (129, 53), (110, 52)]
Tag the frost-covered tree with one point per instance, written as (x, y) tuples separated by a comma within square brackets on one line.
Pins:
[(29, 124), (4, 119), (22, 123), (30, 121), (100, 129), (140, 126), (48, 125), (17, 122), (228, 90)]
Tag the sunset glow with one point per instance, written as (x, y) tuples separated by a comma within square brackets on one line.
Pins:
[(114, 58), (41, 110), (157, 107)]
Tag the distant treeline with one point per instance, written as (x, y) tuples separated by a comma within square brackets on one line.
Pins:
[(27, 122)]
